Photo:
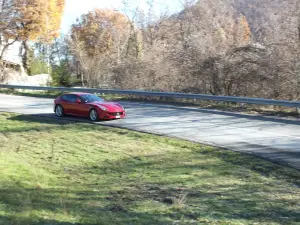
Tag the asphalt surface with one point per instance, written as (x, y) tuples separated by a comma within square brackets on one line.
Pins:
[(275, 139)]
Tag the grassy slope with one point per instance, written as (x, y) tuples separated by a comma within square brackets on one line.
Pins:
[(66, 173)]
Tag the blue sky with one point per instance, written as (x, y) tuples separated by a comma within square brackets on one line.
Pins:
[(75, 8)]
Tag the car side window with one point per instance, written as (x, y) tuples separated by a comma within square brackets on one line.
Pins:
[(72, 98), (66, 98), (82, 99)]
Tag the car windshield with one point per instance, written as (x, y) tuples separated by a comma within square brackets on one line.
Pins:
[(91, 98)]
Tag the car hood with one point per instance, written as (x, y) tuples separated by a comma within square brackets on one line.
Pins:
[(111, 106)]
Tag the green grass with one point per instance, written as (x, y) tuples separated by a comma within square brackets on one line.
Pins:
[(63, 173)]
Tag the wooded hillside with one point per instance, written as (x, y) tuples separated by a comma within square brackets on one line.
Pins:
[(221, 47)]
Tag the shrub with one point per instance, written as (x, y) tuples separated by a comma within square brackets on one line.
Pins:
[(37, 66), (61, 75)]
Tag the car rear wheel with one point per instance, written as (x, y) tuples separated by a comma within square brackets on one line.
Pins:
[(59, 111), (93, 115)]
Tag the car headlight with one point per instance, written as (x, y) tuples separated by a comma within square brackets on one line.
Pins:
[(102, 107), (120, 106)]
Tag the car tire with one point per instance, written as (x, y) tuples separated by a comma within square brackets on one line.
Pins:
[(59, 111), (93, 115)]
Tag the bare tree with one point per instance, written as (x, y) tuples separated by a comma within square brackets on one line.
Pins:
[(221, 47)]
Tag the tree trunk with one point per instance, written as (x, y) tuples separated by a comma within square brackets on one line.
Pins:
[(25, 57), (82, 79)]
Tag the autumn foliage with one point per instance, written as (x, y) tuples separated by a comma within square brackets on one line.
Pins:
[(246, 29), (36, 20), (221, 47), (101, 31)]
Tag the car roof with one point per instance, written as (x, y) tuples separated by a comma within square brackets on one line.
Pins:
[(77, 93)]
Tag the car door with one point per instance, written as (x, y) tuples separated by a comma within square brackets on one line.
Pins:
[(73, 105), (66, 103), (83, 108)]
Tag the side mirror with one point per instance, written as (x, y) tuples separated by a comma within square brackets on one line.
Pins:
[(78, 100)]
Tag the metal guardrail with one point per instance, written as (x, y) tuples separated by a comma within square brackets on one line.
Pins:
[(257, 101)]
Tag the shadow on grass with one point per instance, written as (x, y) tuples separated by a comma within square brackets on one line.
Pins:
[(46, 119), (51, 118), (137, 181), (41, 118), (283, 155), (31, 123), (170, 185), (249, 200), (277, 155), (233, 118), (86, 206), (22, 221)]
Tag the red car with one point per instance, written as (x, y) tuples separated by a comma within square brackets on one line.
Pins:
[(87, 105)]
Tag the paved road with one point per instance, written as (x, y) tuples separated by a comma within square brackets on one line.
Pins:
[(273, 138)]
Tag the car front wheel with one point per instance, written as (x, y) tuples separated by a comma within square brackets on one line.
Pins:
[(59, 111), (94, 115)]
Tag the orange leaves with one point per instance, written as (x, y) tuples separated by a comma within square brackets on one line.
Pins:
[(100, 29), (29, 19), (55, 12), (37, 19), (246, 29)]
